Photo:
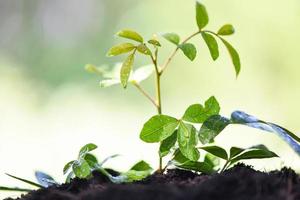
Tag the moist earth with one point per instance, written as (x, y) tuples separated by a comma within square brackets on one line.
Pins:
[(238, 183)]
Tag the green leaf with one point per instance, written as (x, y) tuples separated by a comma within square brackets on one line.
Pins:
[(81, 169), (154, 42), (120, 49), (189, 50), (68, 166), (167, 144), (258, 152), (212, 45), (234, 56), (201, 15), (172, 37), (142, 73), (133, 175), (182, 162), (87, 148), (212, 127), (14, 189), (158, 128), (91, 160), (25, 181), (126, 70), (217, 151), (187, 141), (197, 166), (179, 158), (141, 166), (234, 151), (226, 29), (196, 113), (212, 160), (129, 34), (142, 48), (138, 172)]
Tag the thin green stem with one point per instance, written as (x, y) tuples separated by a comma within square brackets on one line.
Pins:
[(169, 59), (145, 93), (158, 97), (225, 166)]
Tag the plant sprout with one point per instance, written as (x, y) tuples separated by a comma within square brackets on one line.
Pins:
[(87, 162), (180, 135)]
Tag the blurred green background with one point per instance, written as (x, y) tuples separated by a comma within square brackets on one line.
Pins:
[(50, 106)]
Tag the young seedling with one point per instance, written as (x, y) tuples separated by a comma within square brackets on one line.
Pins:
[(86, 163), (180, 135)]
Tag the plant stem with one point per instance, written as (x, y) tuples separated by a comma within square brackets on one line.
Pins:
[(145, 93), (158, 76), (158, 97), (225, 166), (169, 59)]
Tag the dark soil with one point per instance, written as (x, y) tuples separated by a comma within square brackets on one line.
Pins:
[(239, 183)]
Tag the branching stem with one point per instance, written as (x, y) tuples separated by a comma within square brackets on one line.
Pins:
[(169, 59), (158, 73)]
